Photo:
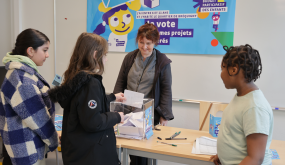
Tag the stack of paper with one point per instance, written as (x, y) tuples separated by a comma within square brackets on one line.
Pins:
[(205, 146), (132, 126)]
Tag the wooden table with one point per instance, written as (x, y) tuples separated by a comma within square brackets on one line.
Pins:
[(279, 146), (151, 149), (182, 153)]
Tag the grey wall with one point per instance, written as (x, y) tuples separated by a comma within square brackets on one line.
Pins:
[(5, 28), (38, 14), (198, 76), (194, 76)]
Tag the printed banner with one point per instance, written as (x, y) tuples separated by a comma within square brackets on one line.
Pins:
[(185, 26)]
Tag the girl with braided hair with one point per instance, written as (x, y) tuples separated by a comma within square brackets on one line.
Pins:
[(247, 124)]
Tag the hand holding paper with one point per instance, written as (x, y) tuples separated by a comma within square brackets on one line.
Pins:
[(120, 97)]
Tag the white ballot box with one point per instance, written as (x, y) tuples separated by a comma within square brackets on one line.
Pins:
[(138, 122)]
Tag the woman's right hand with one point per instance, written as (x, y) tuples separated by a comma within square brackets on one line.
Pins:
[(122, 116), (215, 159)]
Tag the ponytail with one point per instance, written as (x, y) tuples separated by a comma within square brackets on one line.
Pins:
[(29, 38)]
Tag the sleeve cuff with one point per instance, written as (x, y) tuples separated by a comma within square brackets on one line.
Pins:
[(253, 132), (112, 97), (118, 116)]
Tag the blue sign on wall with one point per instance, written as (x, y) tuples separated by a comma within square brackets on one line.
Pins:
[(185, 26)]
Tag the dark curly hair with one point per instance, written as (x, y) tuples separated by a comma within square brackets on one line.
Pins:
[(246, 58)]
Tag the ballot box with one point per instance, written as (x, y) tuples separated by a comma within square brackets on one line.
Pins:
[(138, 121)]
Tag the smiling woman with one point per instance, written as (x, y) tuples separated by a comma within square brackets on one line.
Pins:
[(147, 70)]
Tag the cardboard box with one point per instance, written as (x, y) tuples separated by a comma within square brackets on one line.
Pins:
[(215, 123)]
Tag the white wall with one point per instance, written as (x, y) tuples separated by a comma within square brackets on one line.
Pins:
[(5, 28), (200, 79), (38, 14)]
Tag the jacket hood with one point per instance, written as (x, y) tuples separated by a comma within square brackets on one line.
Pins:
[(162, 59), (64, 93), (19, 58), (20, 66)]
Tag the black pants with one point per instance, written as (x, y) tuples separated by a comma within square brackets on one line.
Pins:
[(137, 160), (7, 159)]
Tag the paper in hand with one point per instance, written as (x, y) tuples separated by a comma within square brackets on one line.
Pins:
[(133, 99)]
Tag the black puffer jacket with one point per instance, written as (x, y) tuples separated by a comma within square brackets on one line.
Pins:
[(87, 131)]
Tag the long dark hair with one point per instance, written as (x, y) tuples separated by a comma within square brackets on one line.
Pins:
[(82, 56), (29, 38)]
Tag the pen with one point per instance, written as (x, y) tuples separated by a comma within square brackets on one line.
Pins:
[(167, 143), (176, 134), (159, 138), (176, 139), (173, 135)]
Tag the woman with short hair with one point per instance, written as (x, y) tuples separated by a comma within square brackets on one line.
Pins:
[(147, 70)]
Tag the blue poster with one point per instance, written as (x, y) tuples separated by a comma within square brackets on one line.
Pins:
[(185, 26), (148, 123), (274, 154), (58, 122)]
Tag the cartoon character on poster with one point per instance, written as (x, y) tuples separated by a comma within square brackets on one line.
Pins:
[(216, 19), (121, 22), (217, 129)]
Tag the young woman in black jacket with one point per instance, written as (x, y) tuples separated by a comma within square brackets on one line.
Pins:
[(87, 131)]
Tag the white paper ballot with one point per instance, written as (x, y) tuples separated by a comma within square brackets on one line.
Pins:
[(133, 119), (129, 130), (134, 99), (205, 146)]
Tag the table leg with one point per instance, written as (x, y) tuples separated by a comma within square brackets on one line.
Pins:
[(125, 156), (119, 151), (149, 161), (56, 153), (154, 161)]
